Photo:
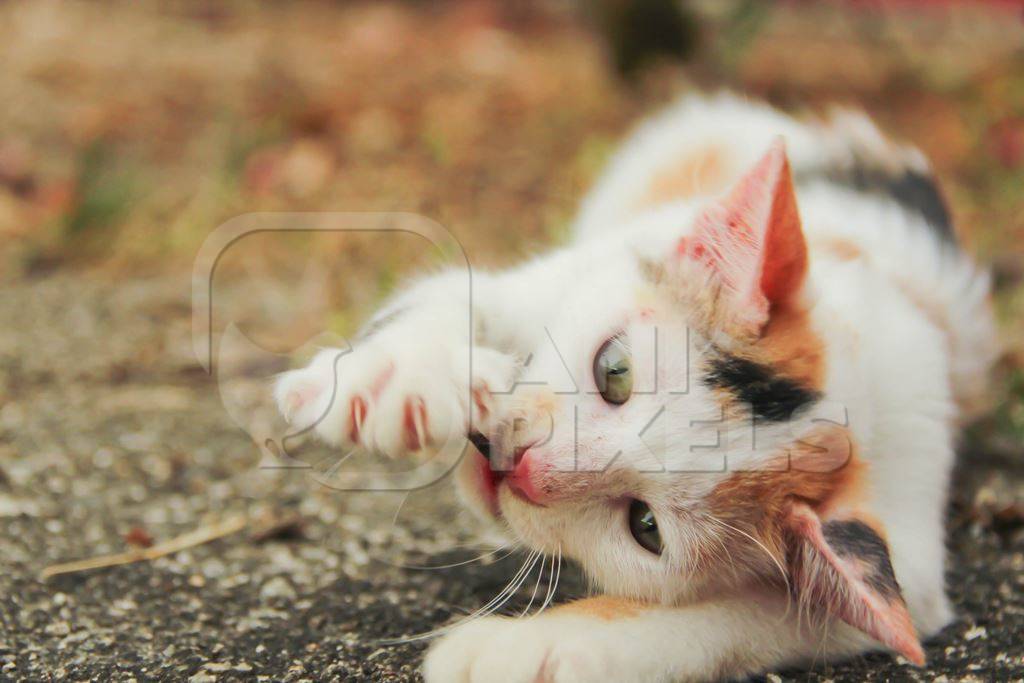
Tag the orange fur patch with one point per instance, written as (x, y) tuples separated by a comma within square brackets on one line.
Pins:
[(789, 345), (844, 250), (704, 171), (603, 607), (821, 469)]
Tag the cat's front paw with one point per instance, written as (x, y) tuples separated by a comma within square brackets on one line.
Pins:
[(395, 395), (504, 650)]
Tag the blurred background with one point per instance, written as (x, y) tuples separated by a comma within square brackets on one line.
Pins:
[(131, 130)]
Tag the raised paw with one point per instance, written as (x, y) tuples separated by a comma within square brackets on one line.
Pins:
[(394, 398)]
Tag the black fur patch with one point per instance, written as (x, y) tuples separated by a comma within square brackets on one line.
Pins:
[(482, 443), (855, 539), (913, 190), (770, 396)]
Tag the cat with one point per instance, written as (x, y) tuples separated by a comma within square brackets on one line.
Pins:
[(732, 399)]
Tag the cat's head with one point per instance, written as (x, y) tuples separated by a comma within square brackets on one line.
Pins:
[(672, 431)]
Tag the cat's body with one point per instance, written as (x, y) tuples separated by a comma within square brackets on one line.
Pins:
[(797, 362)]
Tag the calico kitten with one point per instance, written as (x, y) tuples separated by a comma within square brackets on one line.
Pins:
[(732, 399)]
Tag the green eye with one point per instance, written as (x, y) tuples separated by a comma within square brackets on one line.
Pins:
[(613, 372), (644, 527)]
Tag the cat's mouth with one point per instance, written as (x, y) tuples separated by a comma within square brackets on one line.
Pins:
[(491, 477), (485, 478)]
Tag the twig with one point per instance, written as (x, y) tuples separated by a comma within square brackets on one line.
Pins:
[(191, 539), (277, 526)]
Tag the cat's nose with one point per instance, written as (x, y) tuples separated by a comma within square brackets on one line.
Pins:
[(483, 444), (501, 446), (503, 451)]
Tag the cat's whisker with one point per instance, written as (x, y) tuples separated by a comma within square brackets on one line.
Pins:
[(511, 546), (333, 469), (536, 586), (510, 592), (527, 566), (552, 583), (704, 554), (702, 562), (729, 555), (425, 567), (771, 556), (492, 606), (716, 537)]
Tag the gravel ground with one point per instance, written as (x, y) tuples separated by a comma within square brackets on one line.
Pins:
[(110, 435)]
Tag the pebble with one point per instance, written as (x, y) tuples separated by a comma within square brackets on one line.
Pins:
[(975, 633), (58, 628), (277, 588)]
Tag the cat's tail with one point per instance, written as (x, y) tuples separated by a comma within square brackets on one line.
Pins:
[(698, 146), (861, 158)]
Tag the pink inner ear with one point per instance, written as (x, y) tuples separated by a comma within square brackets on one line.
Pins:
[(844, 566), (753, 239)]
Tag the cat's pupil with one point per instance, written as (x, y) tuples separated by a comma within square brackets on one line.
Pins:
[(612, 371), (644, 527), (647, 520)]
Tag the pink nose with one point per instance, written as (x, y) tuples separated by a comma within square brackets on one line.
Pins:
[(522, 477)]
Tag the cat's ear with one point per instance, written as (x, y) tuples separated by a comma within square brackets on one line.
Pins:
[(841, 564), (753, 241)]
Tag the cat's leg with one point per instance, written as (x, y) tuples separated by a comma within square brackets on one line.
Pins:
[(606, 639), (426, 368)]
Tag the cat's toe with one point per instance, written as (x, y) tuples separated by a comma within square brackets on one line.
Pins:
[(577, 660), (334, 394), (503, 650), (303, 395), (451, 658), (418, 413)]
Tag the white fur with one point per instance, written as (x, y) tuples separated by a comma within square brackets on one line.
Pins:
[(908, 336)]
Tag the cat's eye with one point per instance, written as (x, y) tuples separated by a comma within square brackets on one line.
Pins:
[(644, 527), (613, 371)]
